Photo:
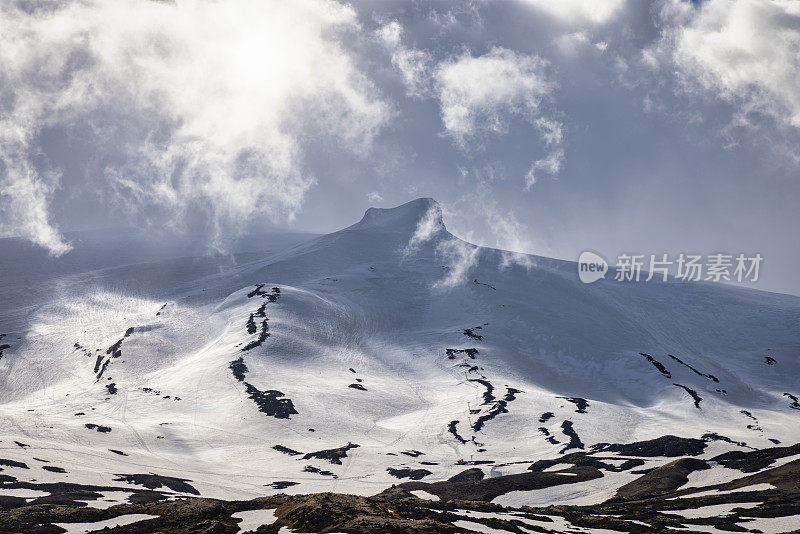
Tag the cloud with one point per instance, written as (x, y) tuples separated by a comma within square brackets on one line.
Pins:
[(459, 258), (391, 34), (745, 52), (188, 107), (413, 65), (480, 94), (427, 228), (578, 12), (550, 165), (479, 218)]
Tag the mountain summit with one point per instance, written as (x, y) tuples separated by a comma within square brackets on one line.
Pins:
[(404, 217)]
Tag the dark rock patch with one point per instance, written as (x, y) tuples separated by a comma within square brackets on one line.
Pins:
[(488, 396), (152, 481), (549, 438), (13, 463), (286, 450), (483, 284), (753, 417), (489, 488), (795, 401), (451, 353), (271, 402), (259, 292), (262, 337), (251, 325), (357, 386), (574, 441), (500, 406), (146, 497), (661, 480), (580, 404), (713, 436), (312, 469), (657, 364), (256, 291), (115, 451), (473, 474), (669, 446), (751, 461), (697, 398), (584, 459), (282, 484), (407, 472), (334, 456), (695, 371), (54, 469), (239, 369), (452, 428), (470, 333), (99, 428)]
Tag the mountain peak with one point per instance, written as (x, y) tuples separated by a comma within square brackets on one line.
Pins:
[(406, 216)]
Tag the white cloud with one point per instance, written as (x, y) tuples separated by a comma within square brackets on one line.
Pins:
[(413, 65), (196, 104), (480, 94), (551, 131), (551, 165), (746, 52), (374, 197), (459, 257), (427, 228), (479, 218), (391, 34), (578, 12)]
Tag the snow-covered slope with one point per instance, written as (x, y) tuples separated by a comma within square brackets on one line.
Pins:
[(388, 349)]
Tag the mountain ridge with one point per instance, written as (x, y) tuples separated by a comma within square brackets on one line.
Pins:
[(350, 347)]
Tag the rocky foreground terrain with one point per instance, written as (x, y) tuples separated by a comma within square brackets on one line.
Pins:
[(752, 491)]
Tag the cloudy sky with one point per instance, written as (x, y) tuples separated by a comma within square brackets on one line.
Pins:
[(543, 127)]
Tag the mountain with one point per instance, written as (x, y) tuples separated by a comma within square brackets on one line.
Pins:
[(387, 352)]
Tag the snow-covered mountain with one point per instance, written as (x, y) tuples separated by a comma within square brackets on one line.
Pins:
[(385, 351)]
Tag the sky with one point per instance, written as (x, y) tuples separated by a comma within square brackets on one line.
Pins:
[(541, 127)]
